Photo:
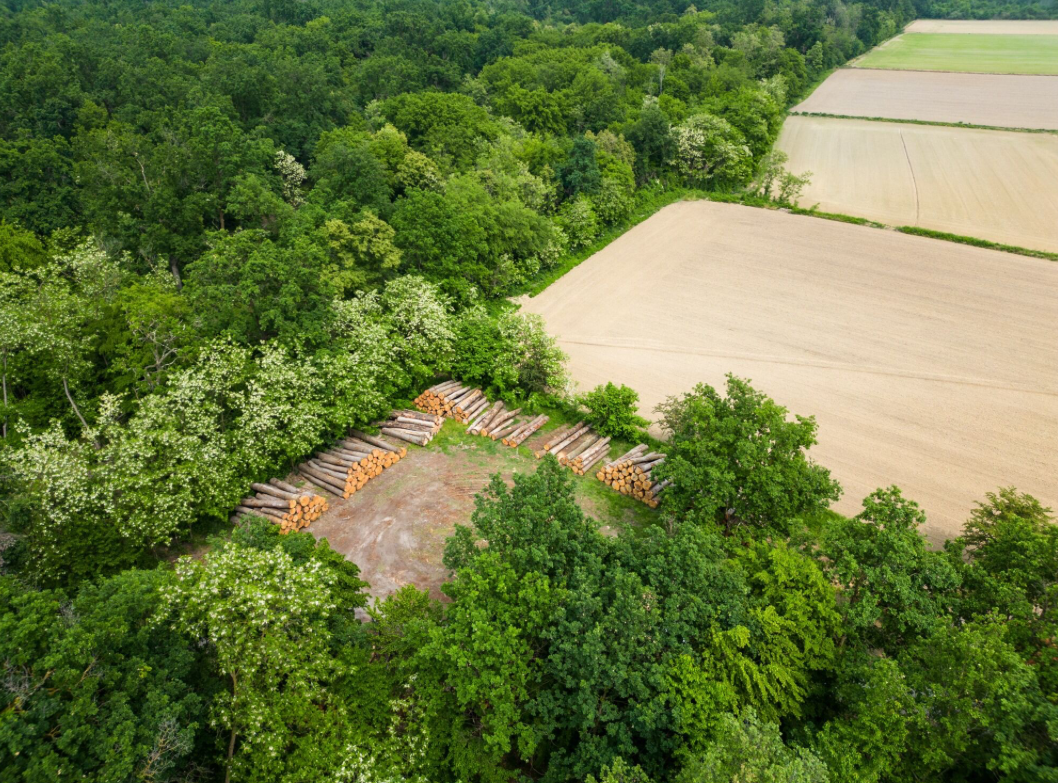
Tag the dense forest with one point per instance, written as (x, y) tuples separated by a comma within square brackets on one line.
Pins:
[(233, 230)]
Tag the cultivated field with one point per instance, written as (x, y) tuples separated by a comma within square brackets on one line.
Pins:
[(996, 185), (969, 53), (975, 99), (928, 364), (985, 26)]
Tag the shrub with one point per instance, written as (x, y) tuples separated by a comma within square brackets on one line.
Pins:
[(612, 411)]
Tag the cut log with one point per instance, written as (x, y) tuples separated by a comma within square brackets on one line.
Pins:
[(479, 405), (374, 441), (589, 462), (520, 437), (558, 435), (570, 438), (269, 489), (440, 387), (323, 480), (417, 415), (628, 455), (410, 436), (283, 485), (599, 447), (517, 430), (500, 419), (486, 419), (355, 444), (266, 503), (505, 429), (487, 412), (651, 457)]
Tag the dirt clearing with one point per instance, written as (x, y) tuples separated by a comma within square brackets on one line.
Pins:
[(996, 185), (395, 528), (928, 364), (984, 27), (972, 98)]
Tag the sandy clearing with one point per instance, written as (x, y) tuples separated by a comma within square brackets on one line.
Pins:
[(1009, 101), (996, 185), (927, 364), (984, 27)]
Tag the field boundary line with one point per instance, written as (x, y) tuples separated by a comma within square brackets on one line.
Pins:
[(943, 70), (935, 123), (835, 366)]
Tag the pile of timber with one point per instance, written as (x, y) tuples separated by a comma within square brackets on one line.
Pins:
[(452, 400), (630, 474), (576, 447), (351, 463), (283, 504), (412, 426), (495, 421)]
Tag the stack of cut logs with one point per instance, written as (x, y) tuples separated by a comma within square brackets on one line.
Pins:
[(496, 422), (283, 504), (576, 447), (630, 474), (412, 426), (453, 400), (350, 464)]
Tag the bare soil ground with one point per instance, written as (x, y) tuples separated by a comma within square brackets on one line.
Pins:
[(395, 528), (985, 26), (928, 364), (977, 99), (996, 185)]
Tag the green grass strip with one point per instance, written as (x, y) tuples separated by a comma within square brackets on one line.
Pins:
[(1021, 251), (968, 125)]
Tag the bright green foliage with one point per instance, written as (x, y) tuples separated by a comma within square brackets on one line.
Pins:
[(92, 690), (263, 616), (620, 772), (1008, 560), (894, 589), (360, 254), (978, 706), (737, 459), (748, 749), (710, 152), (612, 411)]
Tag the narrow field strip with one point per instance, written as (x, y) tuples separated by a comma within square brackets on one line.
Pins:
[(1000, 101), (967, 53)]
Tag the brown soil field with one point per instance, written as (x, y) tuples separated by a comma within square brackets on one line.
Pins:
[(995, 185), (985, 26), (928, 364), (395, 528), (1007, 101)]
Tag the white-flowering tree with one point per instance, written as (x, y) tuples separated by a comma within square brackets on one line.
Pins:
[(264, 619), (711, 152)]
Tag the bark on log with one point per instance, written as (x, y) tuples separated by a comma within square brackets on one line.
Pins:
[(338, 475), (283, 485), (517, 430), (268, 489), (520, 437), (505, 429), (466, 400), (322, 480), (570, 438), (597, 448), (486, 419), (627, 455), (477, 407), (558, 435), (590, 462), (645, 458), (266, 503), (411, 436), (499, 420), (374, 441), (356, 444), (591, 441), (439, 387), (483, 415)]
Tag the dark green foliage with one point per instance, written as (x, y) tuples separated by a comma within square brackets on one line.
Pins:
[(612, 411), (736, 459), (579, 173), (93, 688)]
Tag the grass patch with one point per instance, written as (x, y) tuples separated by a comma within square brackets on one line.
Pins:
[(836, 216), (618, 511), (968, 125), (1021, 251), (967, 53)]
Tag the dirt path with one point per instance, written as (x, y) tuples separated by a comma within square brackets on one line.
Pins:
[(927, 364)]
